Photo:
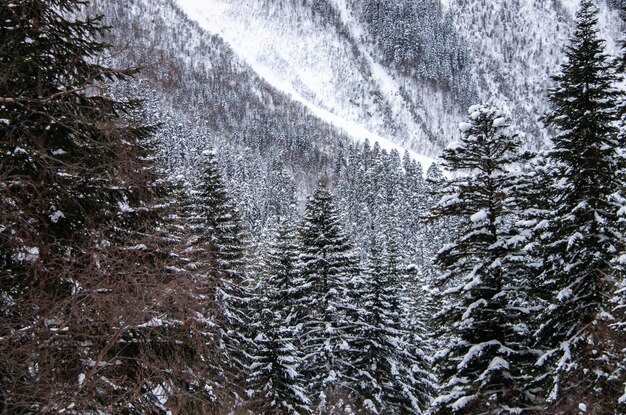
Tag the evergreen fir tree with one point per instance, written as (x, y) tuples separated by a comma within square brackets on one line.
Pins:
[(481, 367), (215, 221), (275, 377), (394, 372), (329, 267), (619, 300), (581, 235)]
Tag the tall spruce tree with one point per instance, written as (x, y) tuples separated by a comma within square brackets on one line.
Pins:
[(393, 372), (329, 270), (215, 222), (481, 365), (279, 387), (581, 235), (619, 299)]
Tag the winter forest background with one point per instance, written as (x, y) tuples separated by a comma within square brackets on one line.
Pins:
[(298, 207)]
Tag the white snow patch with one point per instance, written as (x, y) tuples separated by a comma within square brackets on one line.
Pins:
[(474, 108), (370, 406), (461, 403), (455, 145), (472, 307), (475, 351), (564, 294), (28, 254), (160, 393), (479, 216), (465, 127), (499, 122), (474, 282), (124, 207), (498, 363), (154, 322), (55, 216)]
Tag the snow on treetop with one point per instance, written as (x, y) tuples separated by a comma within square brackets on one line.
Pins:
[(465, 126), (479, 216), (468, 313), (455, 145), (564, 294), (477, 350), (461, 403), (474, 108), (499, 122), (208, 153), (498, 363)]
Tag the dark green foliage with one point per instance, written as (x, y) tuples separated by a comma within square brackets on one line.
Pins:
[(55, 133), (329, 271), (482, 364), (419, 40), (393, 365), (279, 387), (581, 235), (215, 224)]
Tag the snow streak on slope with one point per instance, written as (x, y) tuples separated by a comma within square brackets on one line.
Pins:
[(325, 66), (329, 67)]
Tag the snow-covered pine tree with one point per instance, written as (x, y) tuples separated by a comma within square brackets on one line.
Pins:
[(329, 267), (215, 222), (434, 233), (619, 300), (415, 205), (394, 375), (480, 369), (190, 260), (275, 378), (581, 235)]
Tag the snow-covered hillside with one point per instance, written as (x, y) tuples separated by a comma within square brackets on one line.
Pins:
[(330, 65), (517, 45), (330, 69), (267, 74)]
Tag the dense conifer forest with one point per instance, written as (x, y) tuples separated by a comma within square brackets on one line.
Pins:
[(254, 259)]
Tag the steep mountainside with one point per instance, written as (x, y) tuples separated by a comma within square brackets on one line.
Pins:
[(280, 87), (402, 71), (515, 46), (332, 57), (204, 95)]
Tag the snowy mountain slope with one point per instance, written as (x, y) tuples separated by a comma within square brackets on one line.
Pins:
[(280, 76), (203, 94), (516, 45), (329, 67), (323, 55), (196, 79)]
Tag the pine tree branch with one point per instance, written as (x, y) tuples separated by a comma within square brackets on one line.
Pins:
[(58, 95)]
